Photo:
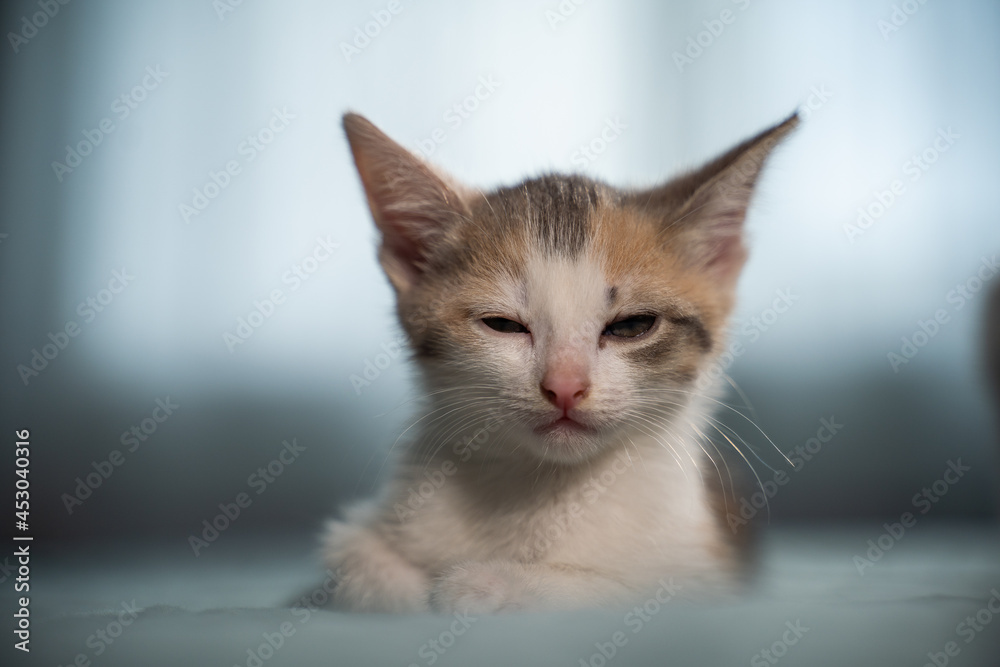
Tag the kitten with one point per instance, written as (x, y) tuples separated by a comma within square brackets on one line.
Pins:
[(560, 326)]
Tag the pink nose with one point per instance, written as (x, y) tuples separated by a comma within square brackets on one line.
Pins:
[(565, 391)]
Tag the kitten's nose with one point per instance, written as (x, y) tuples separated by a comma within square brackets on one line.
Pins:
[(565, 390)]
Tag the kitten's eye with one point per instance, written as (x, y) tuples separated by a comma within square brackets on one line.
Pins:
[(630, 327), (503, 325)]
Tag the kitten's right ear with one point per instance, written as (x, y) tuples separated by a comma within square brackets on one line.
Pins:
[(414, 207)]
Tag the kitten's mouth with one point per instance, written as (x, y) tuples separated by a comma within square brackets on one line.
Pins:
[(563, 424)]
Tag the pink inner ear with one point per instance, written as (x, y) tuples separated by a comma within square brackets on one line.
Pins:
[(404, 250), (718, 236), (725, 253), (407, 237)]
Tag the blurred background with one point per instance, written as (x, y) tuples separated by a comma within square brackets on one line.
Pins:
[(188, 264)]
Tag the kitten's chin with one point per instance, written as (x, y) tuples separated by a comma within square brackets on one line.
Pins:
[(567, 441), (564, 426)]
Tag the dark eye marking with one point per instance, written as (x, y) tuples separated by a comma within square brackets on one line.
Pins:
[(504, 325), (630, 327), (695, 326)]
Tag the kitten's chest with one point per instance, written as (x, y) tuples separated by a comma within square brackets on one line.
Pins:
[(553, 519), (522, 526)]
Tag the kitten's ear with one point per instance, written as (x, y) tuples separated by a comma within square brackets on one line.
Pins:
[(414, 207), (706, 208)]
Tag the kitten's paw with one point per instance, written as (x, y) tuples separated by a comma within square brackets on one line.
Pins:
[(479, 588), (372, 576)]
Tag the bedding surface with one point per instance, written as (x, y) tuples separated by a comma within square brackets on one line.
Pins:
[(823, 596)]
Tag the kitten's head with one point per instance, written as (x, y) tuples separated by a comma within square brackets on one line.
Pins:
[(564, 313)]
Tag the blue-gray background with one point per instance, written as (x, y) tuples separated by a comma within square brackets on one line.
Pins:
[(558, 73)]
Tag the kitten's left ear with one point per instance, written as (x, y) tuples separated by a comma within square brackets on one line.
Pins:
[(414, 207), (705, 209)]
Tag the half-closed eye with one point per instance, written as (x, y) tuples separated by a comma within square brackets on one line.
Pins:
[(504, 325), (630, 327)]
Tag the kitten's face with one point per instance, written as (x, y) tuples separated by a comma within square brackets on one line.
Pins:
[(563, 313), (568, 339)]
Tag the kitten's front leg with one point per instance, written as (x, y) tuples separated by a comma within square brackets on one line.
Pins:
[(492, 586), (372, 576)]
